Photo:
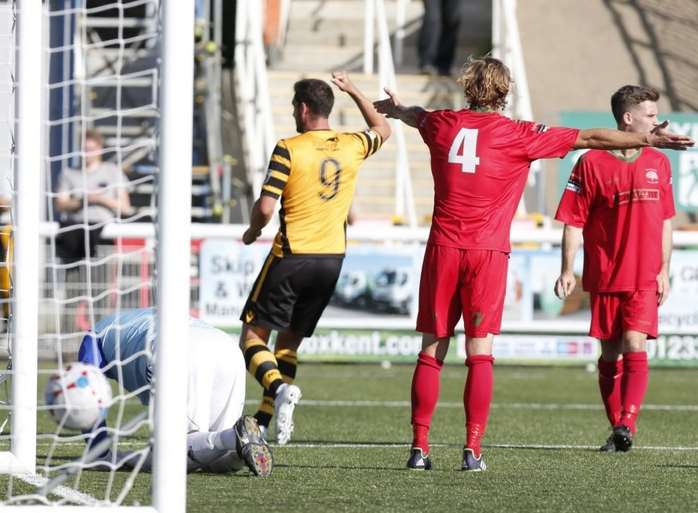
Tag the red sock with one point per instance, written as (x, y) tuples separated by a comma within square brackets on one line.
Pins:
[(425, 394), (633, 387), (610, 374), (477, 397)]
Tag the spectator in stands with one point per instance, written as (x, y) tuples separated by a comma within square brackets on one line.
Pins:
[(439, 35), (88, 198)]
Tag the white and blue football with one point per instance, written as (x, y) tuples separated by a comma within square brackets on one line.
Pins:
[(78, 396)]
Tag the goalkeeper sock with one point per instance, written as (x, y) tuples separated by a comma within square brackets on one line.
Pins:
[(425, 394), (261, 364), (610, 374), (633, 387), (287, 362), (201, 447), (477, 397)]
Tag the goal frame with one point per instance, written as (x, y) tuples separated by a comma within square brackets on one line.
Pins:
[(173, 257)]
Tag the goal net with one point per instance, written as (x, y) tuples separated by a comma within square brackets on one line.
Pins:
[(100, 145)]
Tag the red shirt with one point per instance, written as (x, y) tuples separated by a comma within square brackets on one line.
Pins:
[(480, 162), (622, 205)]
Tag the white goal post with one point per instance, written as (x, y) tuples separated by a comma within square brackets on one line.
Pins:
[(172, 275)]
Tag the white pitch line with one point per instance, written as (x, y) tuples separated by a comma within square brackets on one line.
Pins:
[(513, 406), (347, 445), (62, 491), (350, 445)]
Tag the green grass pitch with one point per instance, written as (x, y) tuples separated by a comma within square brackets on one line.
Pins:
[(352, 434)]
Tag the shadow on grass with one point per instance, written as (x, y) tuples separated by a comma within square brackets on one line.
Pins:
[(357, 467)]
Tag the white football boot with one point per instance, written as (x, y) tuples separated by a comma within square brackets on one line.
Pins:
[(287, 397)]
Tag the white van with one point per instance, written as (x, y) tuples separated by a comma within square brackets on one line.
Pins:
[(393, 290), (352, 289)]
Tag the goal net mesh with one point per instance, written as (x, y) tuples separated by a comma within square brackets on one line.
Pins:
[(100, 174)]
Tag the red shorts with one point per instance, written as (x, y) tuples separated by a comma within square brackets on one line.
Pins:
[(471, 282), (613, 313)]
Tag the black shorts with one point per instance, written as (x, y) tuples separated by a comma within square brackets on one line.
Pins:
[(291, 293)]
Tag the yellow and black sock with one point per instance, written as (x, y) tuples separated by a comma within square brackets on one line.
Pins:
[(262, 365), (287, 363)]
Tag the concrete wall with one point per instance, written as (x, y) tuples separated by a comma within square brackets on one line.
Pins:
[(578, 53)]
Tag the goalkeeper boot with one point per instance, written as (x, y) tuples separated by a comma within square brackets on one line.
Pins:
[(418, 460), (251, 447), (287, 397), (622, 438), (471, 463)]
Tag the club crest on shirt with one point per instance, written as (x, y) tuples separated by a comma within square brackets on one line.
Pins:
[(652, 176)]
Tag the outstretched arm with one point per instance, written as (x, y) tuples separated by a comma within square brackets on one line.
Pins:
[(373, 119), (392, 108), (608, 139), (571, 241)]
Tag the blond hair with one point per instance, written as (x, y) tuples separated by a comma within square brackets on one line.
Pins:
[(486, 83)]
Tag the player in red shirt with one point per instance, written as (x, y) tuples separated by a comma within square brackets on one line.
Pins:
[(479, 161), (622, 202)]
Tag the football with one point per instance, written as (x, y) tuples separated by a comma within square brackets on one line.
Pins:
[(78, 396)]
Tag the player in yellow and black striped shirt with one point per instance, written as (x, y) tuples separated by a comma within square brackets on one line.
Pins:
[(314, 174)]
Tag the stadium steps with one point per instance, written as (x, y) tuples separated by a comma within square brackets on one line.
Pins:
[(122, 102), (375, 196), (326, 35)]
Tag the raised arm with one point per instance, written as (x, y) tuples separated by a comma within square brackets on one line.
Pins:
[(571, 242), (373, 119), (608, 139), (392, 108)]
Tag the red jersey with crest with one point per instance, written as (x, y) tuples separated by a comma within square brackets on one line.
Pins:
[(480, 162), (621, 204)]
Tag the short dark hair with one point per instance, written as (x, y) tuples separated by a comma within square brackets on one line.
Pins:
[(630, 95), (316, 94)]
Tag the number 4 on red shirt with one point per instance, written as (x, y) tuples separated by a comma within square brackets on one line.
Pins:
[(463, 150)]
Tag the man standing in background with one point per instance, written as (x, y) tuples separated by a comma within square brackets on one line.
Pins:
[(622, 203)]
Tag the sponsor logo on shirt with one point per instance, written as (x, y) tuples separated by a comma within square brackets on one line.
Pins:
[(652, 176), (637, 195), (574, 186)]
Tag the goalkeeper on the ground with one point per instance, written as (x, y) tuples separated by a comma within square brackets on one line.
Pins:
[(220, 438)]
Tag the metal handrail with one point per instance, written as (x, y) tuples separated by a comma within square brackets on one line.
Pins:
[(365, 233), (506, 45), (252, 91), (376, 16)]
